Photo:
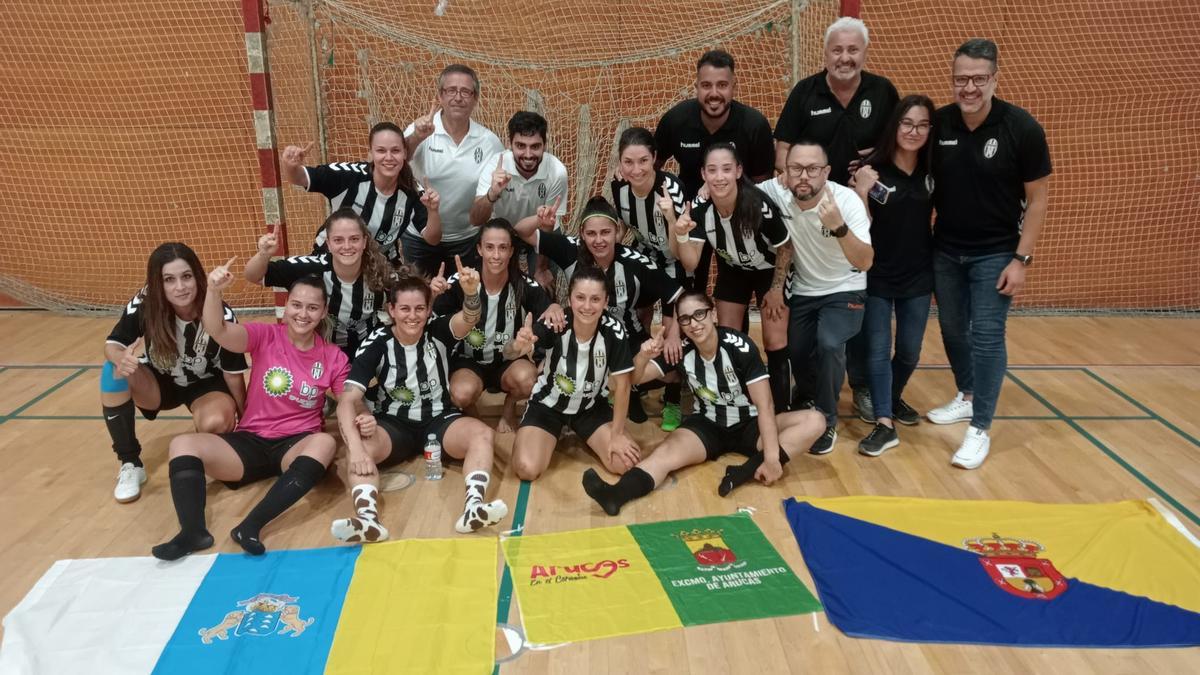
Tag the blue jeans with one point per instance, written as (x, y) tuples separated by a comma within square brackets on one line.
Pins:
[(972, 315), (818, 329), (887, 374)]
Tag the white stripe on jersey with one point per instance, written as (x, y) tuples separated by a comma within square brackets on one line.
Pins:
[(575, 374), (736, 250)]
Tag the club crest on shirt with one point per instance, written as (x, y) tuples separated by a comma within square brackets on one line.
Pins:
[(277, 381), (478, 155), (599, 358), (542, 191), (864, 109), (317, 369), (989, 148)]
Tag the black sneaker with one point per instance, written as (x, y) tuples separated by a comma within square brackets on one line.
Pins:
[(863, 407), (824, 444), (904, 413), (881, 438)]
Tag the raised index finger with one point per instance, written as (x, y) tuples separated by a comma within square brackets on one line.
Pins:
[(557, 201), (226, 265), (307, 147), (458, 263)]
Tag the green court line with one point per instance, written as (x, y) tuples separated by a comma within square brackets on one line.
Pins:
[(1114, 389), (1119, 418), (44, 394), (504, 599), (1145, 480)]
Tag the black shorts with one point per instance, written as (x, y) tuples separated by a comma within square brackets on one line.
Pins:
[(741, 438), (171, 395), (735, 284), (585, 422), (408, 438), (490, 373), (261, 457)]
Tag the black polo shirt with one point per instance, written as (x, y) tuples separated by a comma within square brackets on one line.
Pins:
[(681, 134), (812, 112), (980, 177), (901, 235)]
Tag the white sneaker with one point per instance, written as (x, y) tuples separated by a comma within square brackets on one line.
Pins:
[(973, 451), (958, 410), (129, 483)]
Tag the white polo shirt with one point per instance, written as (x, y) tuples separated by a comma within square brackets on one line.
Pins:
[(819, 267), (452, 170), (522, 196)]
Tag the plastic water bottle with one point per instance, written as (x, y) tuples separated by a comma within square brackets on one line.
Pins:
[(433, 458)]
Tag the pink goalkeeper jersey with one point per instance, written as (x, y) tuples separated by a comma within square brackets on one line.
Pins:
[(287, 386)]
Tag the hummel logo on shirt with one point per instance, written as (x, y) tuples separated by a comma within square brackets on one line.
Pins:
[(822, 111), (690, 145), (952, 141)]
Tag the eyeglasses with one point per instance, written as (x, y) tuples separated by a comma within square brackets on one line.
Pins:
[(457, 92), (908, 126), (686, 320), (979, 81), (795, 170)]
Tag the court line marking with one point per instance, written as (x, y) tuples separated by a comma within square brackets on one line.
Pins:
[(504, 597), (17, 411), (1146, 409), (1107, 451)]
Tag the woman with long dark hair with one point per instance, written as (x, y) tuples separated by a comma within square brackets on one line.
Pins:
[(732, 413), (632, 280), (293, 366), (583, 363), (744, 228), (478, 362), (895, 184), (354, 270), (644, 197), (399, 388), (382, 190), (180, 366)]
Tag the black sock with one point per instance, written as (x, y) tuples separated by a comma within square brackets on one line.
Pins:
[(300, 477), (743, 473), (780, 371), (636, 414), (673, 393), (635, 483), (187, 491), (119, 420)]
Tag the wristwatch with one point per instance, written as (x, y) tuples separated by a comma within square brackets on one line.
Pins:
[(841, 231), (1026, 260)]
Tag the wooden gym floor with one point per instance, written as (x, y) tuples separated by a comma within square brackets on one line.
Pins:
[(1093, 409)]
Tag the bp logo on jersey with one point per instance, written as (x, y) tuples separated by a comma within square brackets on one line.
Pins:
[(277, 381), (564, 384), (476, 338), (864, 109), (402, 395), (989, 148), (707, 395)]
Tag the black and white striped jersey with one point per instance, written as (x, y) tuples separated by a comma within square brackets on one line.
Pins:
[(575, 374), (199, 356), (755, 252), (642, 216), (354, 308), (349, 184), (634, 280), (721, 386), (412, 383), (500, 315)]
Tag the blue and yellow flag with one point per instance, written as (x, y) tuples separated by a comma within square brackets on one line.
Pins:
[(412, 606), (1008, 573)]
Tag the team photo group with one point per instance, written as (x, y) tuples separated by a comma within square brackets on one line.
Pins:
[(446, 270)]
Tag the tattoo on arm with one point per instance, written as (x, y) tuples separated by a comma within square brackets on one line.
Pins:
[(471, 308), (783, 259)]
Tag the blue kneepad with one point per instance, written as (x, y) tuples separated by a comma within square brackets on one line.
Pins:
[(109, 382)]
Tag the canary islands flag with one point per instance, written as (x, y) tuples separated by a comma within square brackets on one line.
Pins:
[(1007, 573), (412, 606)]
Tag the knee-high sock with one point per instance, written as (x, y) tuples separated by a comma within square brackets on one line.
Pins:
[(187, 491), (119, 420), (673, 393), (635, 483), (779, 369), (300, 477), (743, 473)]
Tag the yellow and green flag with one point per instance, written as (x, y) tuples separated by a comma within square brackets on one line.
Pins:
[(598, 583)]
